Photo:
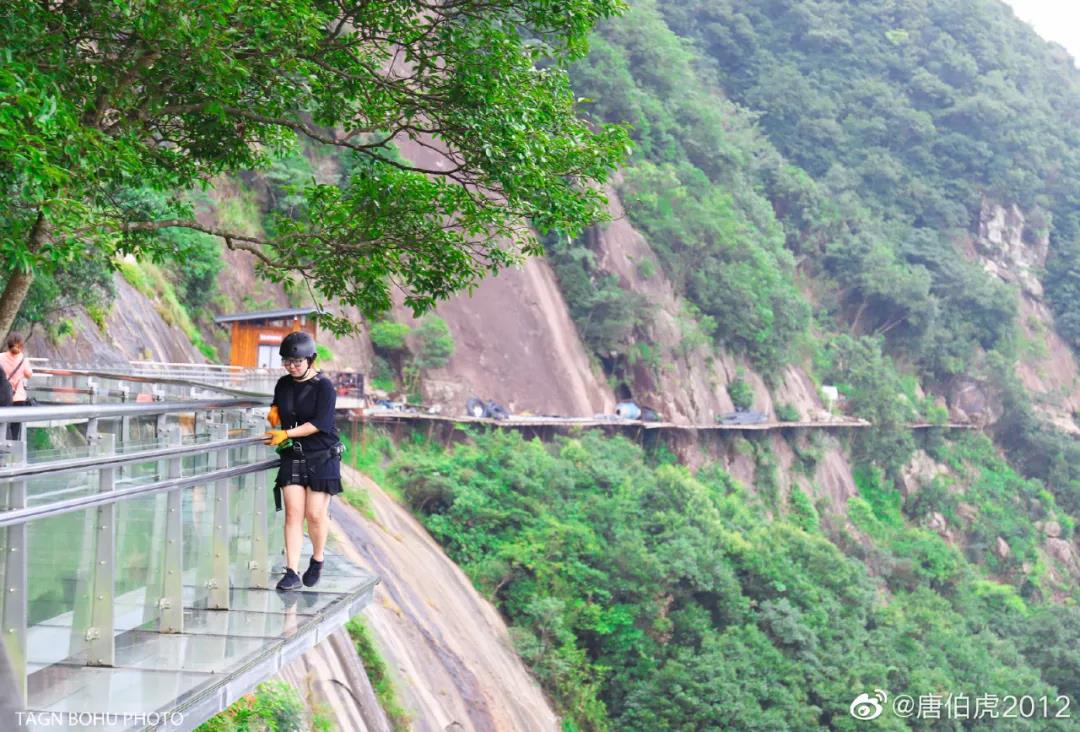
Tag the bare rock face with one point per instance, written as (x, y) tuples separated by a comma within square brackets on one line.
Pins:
[(1049, 368), (332, 676), (1010, 248), (972, 400), (920, 471), (515, 341), (938, 523), (967, 511), (1012, 245), (1065, 552), (1001, 548), (833, 476), (447, 649), (689, 387), (134, 329)]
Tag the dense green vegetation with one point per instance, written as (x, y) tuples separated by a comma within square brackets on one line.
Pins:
[(923, 110), (876, 157), (693, 189), (403, 354), (648, 597), (273, 707), (104, 96), (377, 674), (908, 118)]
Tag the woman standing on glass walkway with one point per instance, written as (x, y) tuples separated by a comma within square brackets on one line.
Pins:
[(303, 431)]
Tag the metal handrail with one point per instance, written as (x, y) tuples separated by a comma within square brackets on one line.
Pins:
[(89, 411), (147, 379), (24, 515), (193, 366), (117, 459)]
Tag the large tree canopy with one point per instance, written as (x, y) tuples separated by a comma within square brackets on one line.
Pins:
[(103, 97)]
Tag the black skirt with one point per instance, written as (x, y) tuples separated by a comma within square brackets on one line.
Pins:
[(325, 477)]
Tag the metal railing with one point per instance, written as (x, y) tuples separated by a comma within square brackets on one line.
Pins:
[(144, 509), (223, 378)]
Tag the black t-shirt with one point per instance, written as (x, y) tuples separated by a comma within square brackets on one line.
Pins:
[(312, 401)]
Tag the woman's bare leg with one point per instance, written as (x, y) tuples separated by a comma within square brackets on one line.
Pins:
[(294, 524), (318, 523)]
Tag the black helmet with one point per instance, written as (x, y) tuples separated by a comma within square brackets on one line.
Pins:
[(298, 344)]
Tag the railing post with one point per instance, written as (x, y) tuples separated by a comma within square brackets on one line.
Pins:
[(125, 421), (171, 601), (219, 575), (101, 645), (259, 562), (15, 576), (156, 571)]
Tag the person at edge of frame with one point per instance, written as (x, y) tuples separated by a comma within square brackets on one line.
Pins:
[(17, 368), (302, 420)]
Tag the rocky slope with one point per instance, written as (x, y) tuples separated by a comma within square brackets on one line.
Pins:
[(690, 387), (515, 342), (1011, 248), (134, 329), (331, 678), (447, 648)]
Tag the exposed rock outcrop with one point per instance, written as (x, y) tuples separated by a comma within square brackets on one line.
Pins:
[(1012, 247), (134, 329), (447, 648), (331, 677), (515, 342), (691, 386)]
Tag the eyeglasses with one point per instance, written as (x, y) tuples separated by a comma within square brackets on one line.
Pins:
[(293, 361)]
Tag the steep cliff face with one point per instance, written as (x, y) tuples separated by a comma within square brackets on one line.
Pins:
[(448, 650), (1012, 249), (134, 329), (515, 343), (690, 386), (330, 677)]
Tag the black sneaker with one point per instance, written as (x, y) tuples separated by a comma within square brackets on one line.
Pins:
[(291, 580), (311, 576)]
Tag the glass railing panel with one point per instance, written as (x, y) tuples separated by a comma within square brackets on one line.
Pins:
[(198, 524), (45, 489), (60, 554), (52, 451), (241, 521), (276, 522)]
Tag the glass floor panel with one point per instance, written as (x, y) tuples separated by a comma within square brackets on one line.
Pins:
[(221, 654), (305, 602), (184, 652), (241, 623), (328, 583), (63, 688), (332, 565)]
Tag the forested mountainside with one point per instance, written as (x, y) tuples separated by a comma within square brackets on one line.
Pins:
[(884, 195), (880, 196), (789, 249)]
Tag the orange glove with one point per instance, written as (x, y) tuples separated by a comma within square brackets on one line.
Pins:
[(275, 437), (272, 417)]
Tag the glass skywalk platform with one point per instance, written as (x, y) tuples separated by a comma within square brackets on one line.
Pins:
[(137, 571), (177, 681)]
